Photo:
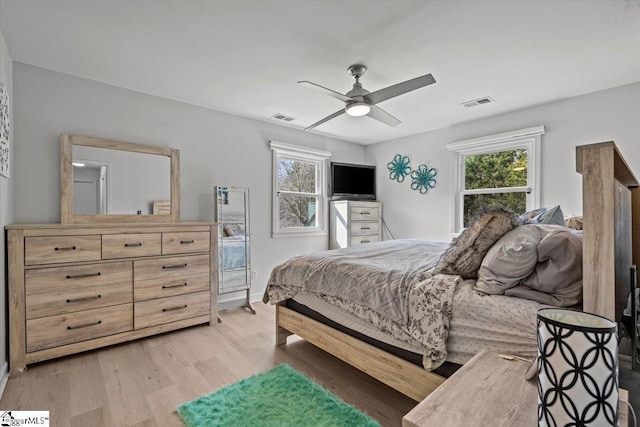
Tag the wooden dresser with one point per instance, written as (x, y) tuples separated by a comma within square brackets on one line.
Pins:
[(78, 287), (354, 223)]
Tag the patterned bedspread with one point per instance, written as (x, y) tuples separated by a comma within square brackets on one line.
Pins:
[(233, 254), (388, 284)]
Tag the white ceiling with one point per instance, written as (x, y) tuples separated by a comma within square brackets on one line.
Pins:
[(245, 56)]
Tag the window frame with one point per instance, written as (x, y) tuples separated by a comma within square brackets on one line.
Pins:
[(281, 150), (529, 139)]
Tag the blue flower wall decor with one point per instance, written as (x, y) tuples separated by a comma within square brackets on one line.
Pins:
[(423, 179), (399, 168)]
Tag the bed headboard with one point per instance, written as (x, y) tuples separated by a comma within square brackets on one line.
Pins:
[(607, 182)]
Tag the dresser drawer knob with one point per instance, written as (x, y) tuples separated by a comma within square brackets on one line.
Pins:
[(83, 276), (365, 241), (365, 228), (85, 299), (86, 325), (174, 266), (68, 248), (185, 242), (174, 286), (365, 213), (133, 245), (180, 307)]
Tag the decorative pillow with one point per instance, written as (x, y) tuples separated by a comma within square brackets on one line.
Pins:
[(557, 278), (510, 260), (466, 252), (229, 230), (552, 215), (527, 217), (573, 221)]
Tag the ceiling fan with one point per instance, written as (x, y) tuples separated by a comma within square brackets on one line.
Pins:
[(359, 101)]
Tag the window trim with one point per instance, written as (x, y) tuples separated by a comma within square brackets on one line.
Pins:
[(529, 139), (296, 152)]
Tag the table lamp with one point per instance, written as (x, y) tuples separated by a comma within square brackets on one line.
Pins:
[(577, 369)]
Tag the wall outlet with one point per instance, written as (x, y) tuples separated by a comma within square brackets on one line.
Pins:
[(254, 274)]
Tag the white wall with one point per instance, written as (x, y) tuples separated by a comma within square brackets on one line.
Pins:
[(609, 115), (6, 209), (215, 149), (406, 212)]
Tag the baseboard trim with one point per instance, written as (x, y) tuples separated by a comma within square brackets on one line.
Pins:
[(4, 377)]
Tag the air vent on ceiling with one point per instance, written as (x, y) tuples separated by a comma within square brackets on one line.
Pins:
[(479, 101), (283, 117)]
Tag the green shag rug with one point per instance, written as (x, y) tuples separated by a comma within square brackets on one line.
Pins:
[(280, 397)]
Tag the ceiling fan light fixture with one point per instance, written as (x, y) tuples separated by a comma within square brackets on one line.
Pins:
[(357, 108)]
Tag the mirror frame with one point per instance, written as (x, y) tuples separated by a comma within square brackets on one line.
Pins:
[(66, 181), (220, 220)]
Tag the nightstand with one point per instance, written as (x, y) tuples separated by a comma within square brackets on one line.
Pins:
[(486, 391), (354, 223)]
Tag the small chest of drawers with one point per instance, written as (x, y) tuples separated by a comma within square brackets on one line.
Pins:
[(78, 287), (354, 223)]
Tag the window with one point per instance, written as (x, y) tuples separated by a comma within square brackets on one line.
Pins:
[(500, 170), (299, 193)]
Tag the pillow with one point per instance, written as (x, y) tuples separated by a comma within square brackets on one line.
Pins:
[(557, 278), (510, 260), (466, 252), (229, 230), (528, 216), (552, 215), (574, 222)]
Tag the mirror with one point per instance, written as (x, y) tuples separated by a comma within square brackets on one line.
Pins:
[(108, 181), (234, 242)]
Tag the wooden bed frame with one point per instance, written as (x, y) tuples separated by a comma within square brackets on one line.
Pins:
[(607, 184)]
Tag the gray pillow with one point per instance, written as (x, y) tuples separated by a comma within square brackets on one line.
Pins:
[(510, 260), (466, 252), (557, 278), (552, 215)]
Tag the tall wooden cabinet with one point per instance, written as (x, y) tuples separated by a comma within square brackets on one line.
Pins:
[(78, 287), (354, 223)]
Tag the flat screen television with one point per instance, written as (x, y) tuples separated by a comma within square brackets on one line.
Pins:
[(356, 182)]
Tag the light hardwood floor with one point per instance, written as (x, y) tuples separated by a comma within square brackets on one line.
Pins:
[(141, 383)]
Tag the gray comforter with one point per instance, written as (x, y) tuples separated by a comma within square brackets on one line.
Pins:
[(388, 283)]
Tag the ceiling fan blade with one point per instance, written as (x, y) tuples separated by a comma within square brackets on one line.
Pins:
[(400, 88), (381, 115), (326, 119), (333, 93)]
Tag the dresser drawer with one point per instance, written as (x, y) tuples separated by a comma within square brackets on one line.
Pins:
[(56, 279), (359, 213), (131, 245), (360, 240), (167, 310), (77, 299), (54, 331), (365, 228), (160, 288), (59, 290), (170, 268), (58, 249), (185, 242)]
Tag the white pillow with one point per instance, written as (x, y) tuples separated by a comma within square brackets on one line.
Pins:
[(509, 261)]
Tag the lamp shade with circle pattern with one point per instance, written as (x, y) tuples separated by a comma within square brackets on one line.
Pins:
[(577, 369)]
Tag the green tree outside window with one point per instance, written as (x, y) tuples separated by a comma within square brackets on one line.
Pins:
[(503, 169)]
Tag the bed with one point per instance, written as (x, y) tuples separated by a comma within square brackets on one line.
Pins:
[(443, 337), (233, 259), (232, 256)]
